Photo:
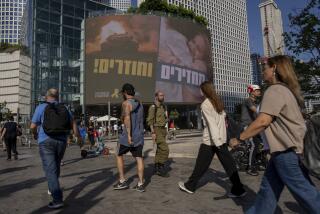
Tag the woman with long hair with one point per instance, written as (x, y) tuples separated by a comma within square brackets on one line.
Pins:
[(214, 142), (281, 118)]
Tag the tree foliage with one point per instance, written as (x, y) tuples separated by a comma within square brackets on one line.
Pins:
[(5, 113), (162, 6), (12, 47), (304, 41), (174, 114)]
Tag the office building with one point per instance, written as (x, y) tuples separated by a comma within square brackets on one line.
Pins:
[(11, 12), (256, 69), (272, 30), (15, 82), (122, 5), (53, 33)]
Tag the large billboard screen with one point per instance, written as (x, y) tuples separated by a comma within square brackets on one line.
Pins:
[(150, 52)]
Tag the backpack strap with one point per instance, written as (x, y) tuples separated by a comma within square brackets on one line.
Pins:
[(155, 111)]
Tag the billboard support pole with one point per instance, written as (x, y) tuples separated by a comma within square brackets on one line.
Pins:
[(109, 125)]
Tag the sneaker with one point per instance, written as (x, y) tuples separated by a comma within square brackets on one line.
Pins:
[(139, 188), (55, 205), (49, 193), (183, 188), (233, 195), (120, 186), (8, 159), (252, 172), (16, 157)]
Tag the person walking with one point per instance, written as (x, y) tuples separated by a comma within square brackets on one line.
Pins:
[(131, 139), (83, 134), (214, 142), (54, 122), (249, 114), (9, 134), (280, 116), (157, 120), (91, 134)]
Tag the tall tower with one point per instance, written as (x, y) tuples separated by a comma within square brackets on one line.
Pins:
[(10, 20), (272, 29), (228, 25)]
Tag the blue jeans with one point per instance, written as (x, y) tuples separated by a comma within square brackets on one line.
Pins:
[(284, 169), (51, 153)]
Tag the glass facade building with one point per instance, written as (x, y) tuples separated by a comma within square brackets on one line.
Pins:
[(53, 31), (11, 12), (256, 69)]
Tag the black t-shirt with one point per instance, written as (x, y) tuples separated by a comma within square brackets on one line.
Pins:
[(91, 131), (11, 129)]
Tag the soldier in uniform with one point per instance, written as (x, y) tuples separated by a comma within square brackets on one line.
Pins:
[(157, 120)]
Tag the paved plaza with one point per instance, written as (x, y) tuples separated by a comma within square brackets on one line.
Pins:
[(87, 185)]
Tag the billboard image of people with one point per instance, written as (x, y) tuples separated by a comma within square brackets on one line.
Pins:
[(150, 52), (120, 49), (184, 60)]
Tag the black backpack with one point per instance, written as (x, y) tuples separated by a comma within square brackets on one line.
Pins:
[(56, 120), (311, 152)]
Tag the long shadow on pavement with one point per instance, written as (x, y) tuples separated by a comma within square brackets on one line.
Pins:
[(82, 204), (148, 170), (221, 179), (6, 190), (13, 169), (294, 207)]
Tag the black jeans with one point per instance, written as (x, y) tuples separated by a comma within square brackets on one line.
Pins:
[(203, 162), (11, 144)]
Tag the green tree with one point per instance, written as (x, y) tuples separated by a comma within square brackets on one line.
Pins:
[(162, 6), (5, 113), (12, 47), (304, 40), (173, 115)]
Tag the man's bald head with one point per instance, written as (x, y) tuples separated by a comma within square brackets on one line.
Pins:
[(52, 94)]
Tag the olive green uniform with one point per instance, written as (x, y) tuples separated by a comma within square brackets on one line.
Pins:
[(157, 117)]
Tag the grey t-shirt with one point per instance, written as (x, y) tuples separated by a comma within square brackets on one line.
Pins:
[(247, 115), (288, 128)]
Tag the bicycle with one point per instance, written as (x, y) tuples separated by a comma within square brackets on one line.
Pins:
[(241, 156)]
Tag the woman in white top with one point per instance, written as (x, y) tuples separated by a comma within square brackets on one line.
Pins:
[(214, 142)]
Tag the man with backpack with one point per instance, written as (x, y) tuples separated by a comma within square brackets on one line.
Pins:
[(248, 115), (132, 138), (54, 122), (157, 120)]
